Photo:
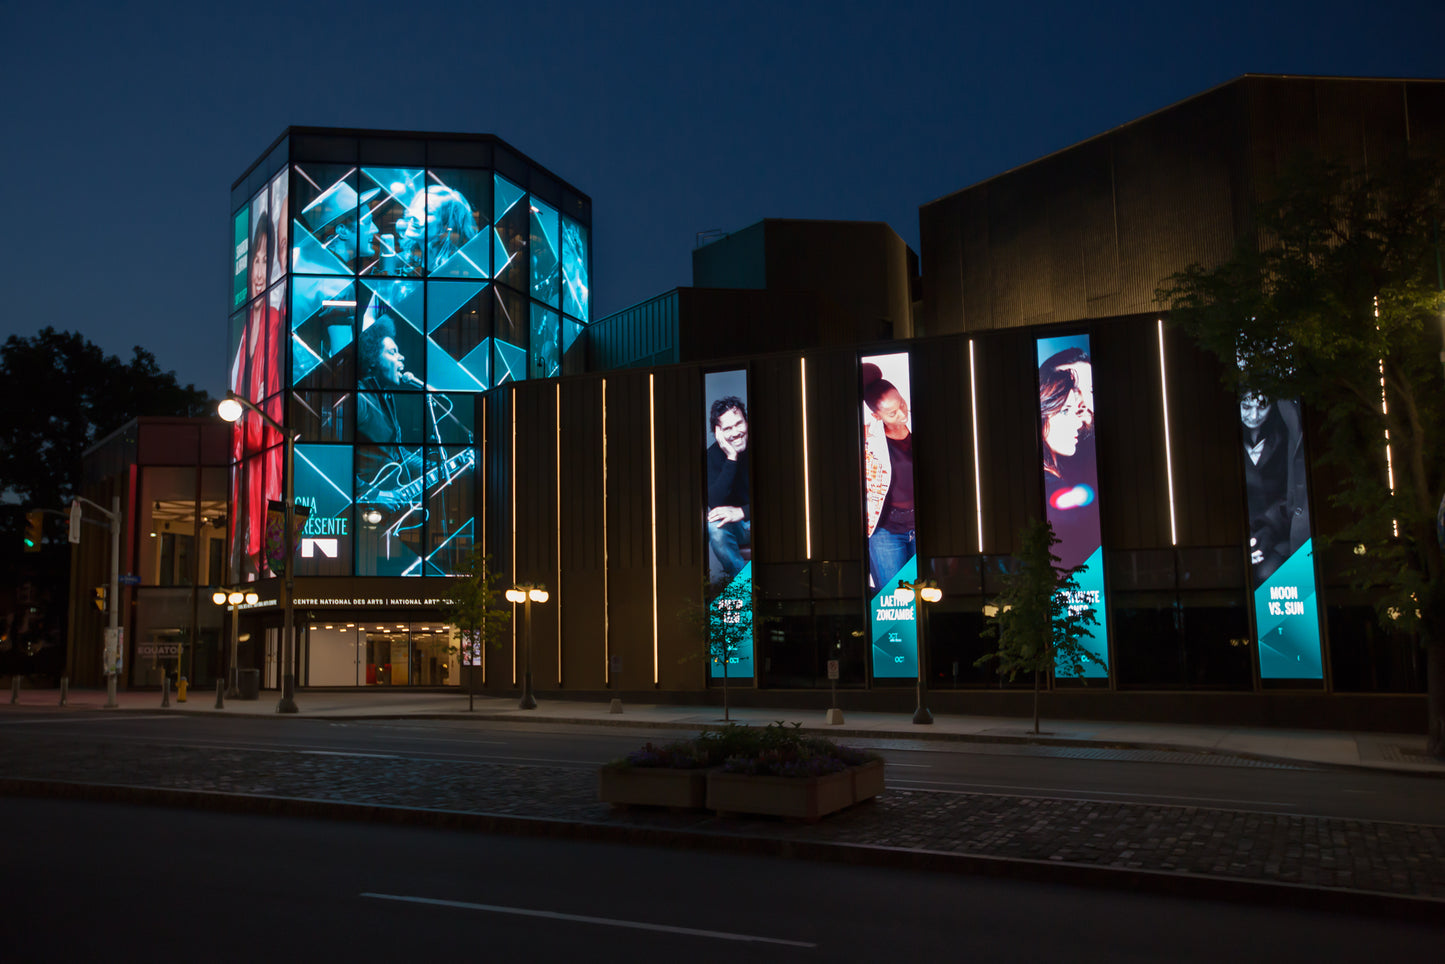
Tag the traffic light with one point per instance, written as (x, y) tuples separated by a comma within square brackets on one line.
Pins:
[(98, 597), (34, 529)]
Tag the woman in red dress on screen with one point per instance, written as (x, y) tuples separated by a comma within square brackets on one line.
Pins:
[(256, 376)]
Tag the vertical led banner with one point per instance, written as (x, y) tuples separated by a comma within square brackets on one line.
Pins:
[(1281, 564), (728, 523), (1071, 482), (888, 512)]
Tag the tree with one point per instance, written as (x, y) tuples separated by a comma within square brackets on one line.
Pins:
[(471, 603), (725, 622), (1337, 300), (1032, 619), (60, 394)]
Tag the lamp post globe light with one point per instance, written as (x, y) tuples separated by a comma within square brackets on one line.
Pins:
[(927, 592), (231, 408), (527, 595), (234, 598)]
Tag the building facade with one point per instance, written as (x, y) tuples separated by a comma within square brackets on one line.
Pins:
[(730, 480)]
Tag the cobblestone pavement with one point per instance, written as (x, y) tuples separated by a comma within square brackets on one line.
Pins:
[(1363, 856)]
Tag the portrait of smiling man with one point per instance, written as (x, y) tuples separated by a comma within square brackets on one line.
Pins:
[(729, 521)]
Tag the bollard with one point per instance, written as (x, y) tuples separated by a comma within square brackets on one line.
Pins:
[(616, 706), (64, 689), (220, 695), (165, 691), (181, 690), (15, 689)]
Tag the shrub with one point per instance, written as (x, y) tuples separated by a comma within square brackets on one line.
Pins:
[(774, 750)]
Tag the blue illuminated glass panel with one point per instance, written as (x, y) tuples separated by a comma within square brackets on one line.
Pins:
[(391, 519), (544, 347), (511, 225), (459, 328), (458, 244), (398, 212), (1071, 484), (450, 483), (325, 238), (546, 255), (511, 330), (323, 330), (576, 270), (323, 488), (391, 349), (278, 192), (241, 250)]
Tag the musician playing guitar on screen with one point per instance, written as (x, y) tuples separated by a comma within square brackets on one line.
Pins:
[(388, 467)]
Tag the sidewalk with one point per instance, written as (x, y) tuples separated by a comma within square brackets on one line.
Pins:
[(1401, 752), (1323, 863)]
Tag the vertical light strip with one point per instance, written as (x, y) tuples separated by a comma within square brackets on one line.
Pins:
[(1385, 412), (485, 476), (514, 531), (652, 474), (1168, 451), (973, 415), (807, 496), (557, 592), (606, 625), (1389, 460)]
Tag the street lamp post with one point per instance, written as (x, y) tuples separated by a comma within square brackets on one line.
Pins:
[(112, 652), (231, 408), (234, 598), (927, 592), (527, 595)]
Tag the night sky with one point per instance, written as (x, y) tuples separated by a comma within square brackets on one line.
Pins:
[(125, 124)]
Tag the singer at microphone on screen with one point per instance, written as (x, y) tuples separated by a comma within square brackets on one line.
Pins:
[(383, 465)]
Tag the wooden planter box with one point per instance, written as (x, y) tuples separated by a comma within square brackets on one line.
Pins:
[(807, 798), (652, 787)]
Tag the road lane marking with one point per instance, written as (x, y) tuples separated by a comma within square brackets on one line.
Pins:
[(72, 720), (375, 756), (1066, 792), (584, 919)]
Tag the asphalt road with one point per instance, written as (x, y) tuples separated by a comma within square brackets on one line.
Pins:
[(149, 883), (1125, 775)]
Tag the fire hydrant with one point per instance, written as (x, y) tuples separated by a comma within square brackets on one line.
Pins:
[(181, 690)]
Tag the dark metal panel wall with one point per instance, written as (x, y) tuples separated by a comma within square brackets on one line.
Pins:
[(776, 439), (582, 587), (835, 482), (1008, 436), (677, 393), (629, 528), (1129, 435), (942, 418), (1207, 447), (1089, 233), (536, 495)]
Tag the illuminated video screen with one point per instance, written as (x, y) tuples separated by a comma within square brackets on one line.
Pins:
[(1280, 547), (889, 513), (728, 523), (1071, 482)]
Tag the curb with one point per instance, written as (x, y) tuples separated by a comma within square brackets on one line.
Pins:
[(1188, 886), (865, 734)]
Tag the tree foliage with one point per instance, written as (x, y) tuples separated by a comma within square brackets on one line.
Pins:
[(60, 394), (1337, 300), (724, 620), (471, 602), (1035, 626)]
